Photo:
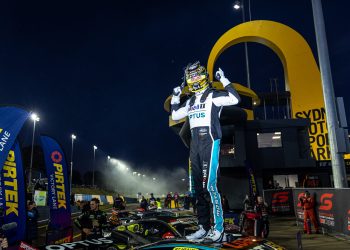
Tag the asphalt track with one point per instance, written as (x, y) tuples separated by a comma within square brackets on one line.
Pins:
[(284, 230)]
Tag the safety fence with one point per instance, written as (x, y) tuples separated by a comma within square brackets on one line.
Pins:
[(104, 199), (332, 206), (280, 201)]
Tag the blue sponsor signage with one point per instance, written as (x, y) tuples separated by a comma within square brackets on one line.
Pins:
[(12, 194), (58, 186), (11, 122)]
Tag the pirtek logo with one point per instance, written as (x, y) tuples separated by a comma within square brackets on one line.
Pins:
[(326, 202), (56, 157), (280, 197)]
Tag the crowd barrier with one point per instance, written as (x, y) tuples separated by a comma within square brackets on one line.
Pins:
[(332, 206), (104, 199), (280, 201)]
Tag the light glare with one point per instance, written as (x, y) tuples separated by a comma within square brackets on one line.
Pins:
[(35, 117)]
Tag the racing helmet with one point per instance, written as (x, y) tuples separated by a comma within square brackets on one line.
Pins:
[(196, 77)]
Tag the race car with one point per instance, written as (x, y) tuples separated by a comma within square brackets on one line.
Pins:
[(156, 234), (235, 243)]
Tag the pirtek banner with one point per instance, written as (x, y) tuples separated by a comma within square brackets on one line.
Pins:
[(58, 186), (11, 122), (12, 194), (332, 208), (280, 201)]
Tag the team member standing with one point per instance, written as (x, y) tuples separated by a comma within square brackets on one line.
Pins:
[(32, 222), (93, 221), (308, 204), (119, 203), (203, 111)]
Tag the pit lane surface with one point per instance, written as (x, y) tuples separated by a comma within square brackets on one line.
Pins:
[(76, 231), (283, 231)]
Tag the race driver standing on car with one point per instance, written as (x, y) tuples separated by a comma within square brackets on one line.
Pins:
[(203, 111)]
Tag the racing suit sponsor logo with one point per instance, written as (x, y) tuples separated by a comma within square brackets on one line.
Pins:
[(205, 173), (197, 107), (216, 204), (203, 132), (196, 115), (196, 111)]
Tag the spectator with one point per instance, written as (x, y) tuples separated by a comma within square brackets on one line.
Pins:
[(248, 203), (119, 203), (152, 203), (277, 186), (152, 199), (32, 222), (262, 218), (194, 204), (270, 185), (85, 206), (159, 204), (167, 201), (92, 222), (225, 204), (78, 202), (124, 200), (72, 199), (144, 203), (187, 200), (176, 199), (308, 204), (261, 206)]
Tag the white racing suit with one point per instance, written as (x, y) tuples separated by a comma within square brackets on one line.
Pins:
[(203, 110)]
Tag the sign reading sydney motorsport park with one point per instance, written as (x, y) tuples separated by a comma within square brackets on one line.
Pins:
[(318, 133)]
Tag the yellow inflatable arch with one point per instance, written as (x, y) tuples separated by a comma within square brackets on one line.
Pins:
[(302, 76)]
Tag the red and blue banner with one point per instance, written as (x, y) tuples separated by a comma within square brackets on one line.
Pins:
[(12, 194), (58, 186), (11, 122)]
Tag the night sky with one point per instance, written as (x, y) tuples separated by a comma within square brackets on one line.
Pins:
[(103, 69)]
